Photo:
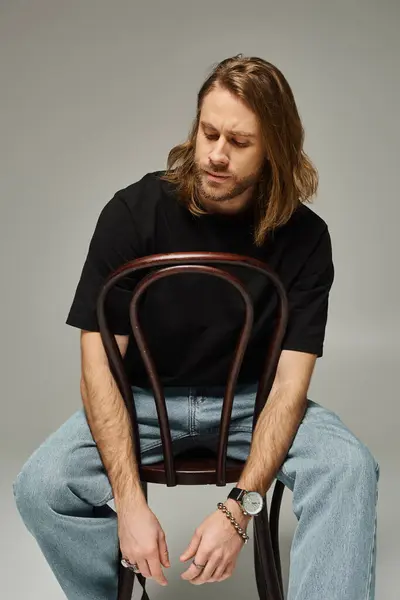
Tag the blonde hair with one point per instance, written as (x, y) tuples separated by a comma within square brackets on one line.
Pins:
[(288, 177)]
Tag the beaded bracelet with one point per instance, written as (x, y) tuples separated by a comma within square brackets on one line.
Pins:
[(232, 519)]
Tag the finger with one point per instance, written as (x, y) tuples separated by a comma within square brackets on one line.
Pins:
[(192, 548), (207, 573), (143, 567), (222, 572), (156, 571), (193, 571), (163, 549), (227, 573)]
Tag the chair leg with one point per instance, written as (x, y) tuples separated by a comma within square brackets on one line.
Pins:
[(260, 579), (126, 577), (267, 578), (274, 527)]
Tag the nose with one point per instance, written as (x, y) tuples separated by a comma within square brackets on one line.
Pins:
[(218, 156)]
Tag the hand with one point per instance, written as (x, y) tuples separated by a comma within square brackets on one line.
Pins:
[(216, 544), (142, 540)]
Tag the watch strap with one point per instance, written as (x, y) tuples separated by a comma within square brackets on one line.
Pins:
[(236, 494)]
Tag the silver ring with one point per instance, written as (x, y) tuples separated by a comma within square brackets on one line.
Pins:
[(132, 566), (198, 566)]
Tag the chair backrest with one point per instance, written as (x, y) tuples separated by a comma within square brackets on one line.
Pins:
[(168, 265)]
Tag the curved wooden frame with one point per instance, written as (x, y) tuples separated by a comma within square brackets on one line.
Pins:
[(198, 471)]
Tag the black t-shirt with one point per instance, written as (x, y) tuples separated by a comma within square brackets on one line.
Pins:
[(192, 321)]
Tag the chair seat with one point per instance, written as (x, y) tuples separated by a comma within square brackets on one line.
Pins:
[(193, 467)]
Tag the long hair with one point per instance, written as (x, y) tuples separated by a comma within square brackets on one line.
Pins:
[(288, 177)]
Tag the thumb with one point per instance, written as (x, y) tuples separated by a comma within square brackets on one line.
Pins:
[(191, 550), (163, 550)]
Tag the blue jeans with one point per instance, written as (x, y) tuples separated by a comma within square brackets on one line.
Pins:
[(63, 490)]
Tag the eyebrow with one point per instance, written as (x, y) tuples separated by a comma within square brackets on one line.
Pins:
[(232, 131)]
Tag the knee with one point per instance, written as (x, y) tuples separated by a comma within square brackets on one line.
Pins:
[(360, 465), (26, 490), (35, 489)]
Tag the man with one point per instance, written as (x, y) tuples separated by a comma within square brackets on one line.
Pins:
[(238, 184)]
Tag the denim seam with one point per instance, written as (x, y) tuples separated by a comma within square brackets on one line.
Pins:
[(109, 495), (240, 428), (373, 545), (286, 474), (191, 413), (215, 430)]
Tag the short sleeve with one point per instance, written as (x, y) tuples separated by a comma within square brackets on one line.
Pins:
[(308, 300), (114, 243)]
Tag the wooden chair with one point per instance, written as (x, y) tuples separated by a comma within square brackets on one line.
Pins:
[(195, 467)]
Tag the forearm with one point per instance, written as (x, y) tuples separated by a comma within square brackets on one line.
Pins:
[(273, 435), (111, 429)]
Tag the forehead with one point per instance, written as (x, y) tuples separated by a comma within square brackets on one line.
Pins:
[(224, 111)]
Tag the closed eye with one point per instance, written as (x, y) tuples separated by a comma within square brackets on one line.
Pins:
[(214, 137)]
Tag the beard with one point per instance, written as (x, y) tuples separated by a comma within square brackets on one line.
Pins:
[(224, 191)]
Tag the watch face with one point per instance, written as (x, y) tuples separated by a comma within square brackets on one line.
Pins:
[(252, 503)]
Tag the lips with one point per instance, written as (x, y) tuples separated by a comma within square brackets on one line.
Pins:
[(217, 175)]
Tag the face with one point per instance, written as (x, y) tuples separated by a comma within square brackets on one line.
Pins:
[(229, 154)]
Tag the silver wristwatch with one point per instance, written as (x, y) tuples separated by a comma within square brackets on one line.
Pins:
[(251, 503)]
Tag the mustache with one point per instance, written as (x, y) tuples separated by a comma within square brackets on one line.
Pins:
[(216, 169), (210, 168)]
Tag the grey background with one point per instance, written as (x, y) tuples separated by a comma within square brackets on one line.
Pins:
[(93, 96)]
